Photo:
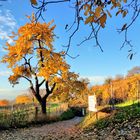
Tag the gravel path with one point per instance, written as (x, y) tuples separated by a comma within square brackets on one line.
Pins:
[(64, 130)]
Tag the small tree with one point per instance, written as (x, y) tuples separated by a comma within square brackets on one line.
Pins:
[(108, 80), (32, 57), (72, 90), (133, 71)]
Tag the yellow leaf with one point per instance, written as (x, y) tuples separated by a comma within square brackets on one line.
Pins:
[(109, 13), (124, 13), (118, 4), (87, 9), (118, 12), (103, 20), (89, 19), (34, 2), (98, 11), (125, 1), (39, 36), (113, 1)]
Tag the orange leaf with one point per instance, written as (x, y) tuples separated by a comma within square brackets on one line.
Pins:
[(103, 20), (125, 1), (113, 1), (124, 13), (118, 4), (98, 11), (34, 2), (89, 19)]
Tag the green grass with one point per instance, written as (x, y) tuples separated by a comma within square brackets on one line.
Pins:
[(13, 119), (124, 113)]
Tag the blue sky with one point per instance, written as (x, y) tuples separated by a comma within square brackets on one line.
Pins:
[(91, 63)]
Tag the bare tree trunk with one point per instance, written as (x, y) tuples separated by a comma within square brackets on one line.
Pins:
[(43, 107)]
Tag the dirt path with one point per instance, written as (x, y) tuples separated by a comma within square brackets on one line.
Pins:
[(64, 130)]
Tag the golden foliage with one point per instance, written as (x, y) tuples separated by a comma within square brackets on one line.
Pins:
[(34, 2), (4, 102), (27, 36), (98, 11), (32, 53), (103, 20), (125, 1), (23, 99), (122, 89)]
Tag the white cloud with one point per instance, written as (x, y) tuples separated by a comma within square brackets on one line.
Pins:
[(5, 73), (95, 79), (4, 89), (7, 25), (8, 93), (4, 36)]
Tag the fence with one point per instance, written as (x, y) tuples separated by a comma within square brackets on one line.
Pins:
[(23, 114)]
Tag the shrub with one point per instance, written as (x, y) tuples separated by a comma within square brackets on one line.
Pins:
[(66, 115), (78, 111)]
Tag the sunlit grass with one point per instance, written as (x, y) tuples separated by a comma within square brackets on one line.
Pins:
[(124, 111), (127, 103), (92, 118)]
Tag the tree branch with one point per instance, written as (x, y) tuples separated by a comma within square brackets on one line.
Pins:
[(42, 83), (48, 91), (43, 6)]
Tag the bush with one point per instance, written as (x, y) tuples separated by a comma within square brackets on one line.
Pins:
[(100, 124), (115, 101), (67, 115), (78, 111)]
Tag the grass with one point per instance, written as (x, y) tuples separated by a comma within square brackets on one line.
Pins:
[(26, 116), (127, 103), (91, 119), (124, 112), (14, 119)]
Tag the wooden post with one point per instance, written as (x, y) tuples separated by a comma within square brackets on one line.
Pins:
[(96, 115), (36, 112), (138, 96), (112, 96), (89, 114)]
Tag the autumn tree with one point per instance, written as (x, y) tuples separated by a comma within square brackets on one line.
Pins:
[(31, 56), (118, 77), (123, 89), (108, 80), (64, 88), (71, 90), (4, 102), (23, 99), (78, 92), (96, 13)]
